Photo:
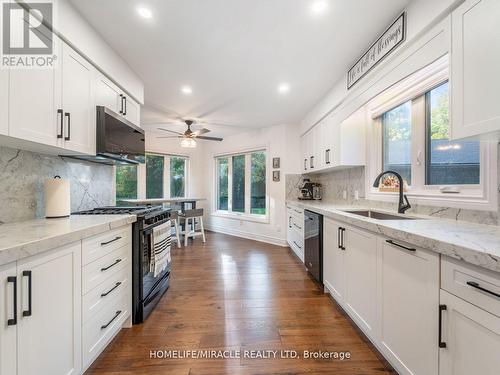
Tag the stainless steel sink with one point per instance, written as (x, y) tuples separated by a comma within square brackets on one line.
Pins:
[(380, 215)]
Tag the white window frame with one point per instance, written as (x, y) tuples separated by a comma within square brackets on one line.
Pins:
[(480, 197), (141, 177), (247, 215)]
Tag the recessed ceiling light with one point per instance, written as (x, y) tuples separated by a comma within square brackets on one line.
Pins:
[(145, 12), (319, 7), (283, 88), (186, 90)]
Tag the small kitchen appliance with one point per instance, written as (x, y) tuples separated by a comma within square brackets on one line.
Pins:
[(310, 190)]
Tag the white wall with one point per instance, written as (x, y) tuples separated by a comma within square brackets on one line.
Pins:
[(77, 31)]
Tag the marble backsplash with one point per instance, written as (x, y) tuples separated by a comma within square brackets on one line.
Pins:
[(22, 177), (350, 180)]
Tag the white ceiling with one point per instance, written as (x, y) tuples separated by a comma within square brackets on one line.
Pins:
[(235, 53)]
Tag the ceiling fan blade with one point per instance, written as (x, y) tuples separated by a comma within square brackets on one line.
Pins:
[(209, 138), (170, 131), (200, 132), (172, 136)]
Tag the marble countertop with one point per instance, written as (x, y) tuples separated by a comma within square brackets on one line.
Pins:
[(477, 244), (163, 200), (23, 239)]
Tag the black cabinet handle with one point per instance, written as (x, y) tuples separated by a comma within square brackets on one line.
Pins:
[(13, 280), (28, 275), (61, 123), (117, 314), (479, 287), (296, 244), (125, 106), (121, 104), (296, 226), (111, 265), (401, 246), (339, 230), (289, 222), (441, 343), (113, 288), (327, 156), (311, 162), (342, 237), (68, 116), (305, 164), (110, 241)]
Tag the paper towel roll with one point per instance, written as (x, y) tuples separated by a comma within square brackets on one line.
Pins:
[(57, 198)]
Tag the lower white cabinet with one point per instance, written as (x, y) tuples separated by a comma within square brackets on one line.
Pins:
[(49, 305), (333, 259), (471, 337), (295, 230), (8, 319), (360, 266), (408, 300)]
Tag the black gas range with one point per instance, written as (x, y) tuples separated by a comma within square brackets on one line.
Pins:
[(146, 288)]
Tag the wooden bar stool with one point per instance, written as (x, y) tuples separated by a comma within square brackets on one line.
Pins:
[(190, 217), (174, 218)]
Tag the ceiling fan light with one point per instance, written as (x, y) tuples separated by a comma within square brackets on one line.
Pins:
[(188, 143)]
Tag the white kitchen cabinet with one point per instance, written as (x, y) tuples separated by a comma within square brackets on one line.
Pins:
[(474, 81), (49, 323), (350, 141), (111, 96), (4, 101), (34, 100), (8, 319), (333, 259), (132, 111), (361, 277), (471, 336), (295, 230), (77, 102), (408, 300)]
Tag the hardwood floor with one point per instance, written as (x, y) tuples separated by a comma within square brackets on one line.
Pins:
[(237, 294)]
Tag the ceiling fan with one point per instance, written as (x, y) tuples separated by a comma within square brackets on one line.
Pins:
[(189, 137)]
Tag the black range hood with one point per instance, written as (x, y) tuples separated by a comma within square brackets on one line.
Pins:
[(118, 141)]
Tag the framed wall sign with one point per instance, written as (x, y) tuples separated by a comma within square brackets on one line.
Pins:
[(383, 46)]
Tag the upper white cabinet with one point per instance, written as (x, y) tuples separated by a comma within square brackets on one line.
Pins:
[(4, 101), (474, 80), (132, 111), (408, 300), (50, 312), (8, 319), (77, 103), (333, 258), (34, 97), (335, 144), (470, 338)]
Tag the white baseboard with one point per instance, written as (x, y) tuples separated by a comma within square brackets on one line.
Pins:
[(250, 236)]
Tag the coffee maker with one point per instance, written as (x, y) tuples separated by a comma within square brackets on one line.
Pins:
[(310, 190)]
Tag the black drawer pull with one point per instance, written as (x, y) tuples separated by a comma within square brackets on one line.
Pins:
[(111, 265), (117, 314), (110, 241), (441, 343), (28, 275), (477, 286), (401, 246), (296, 226), (113, 288), (296, 244), (13, 280)]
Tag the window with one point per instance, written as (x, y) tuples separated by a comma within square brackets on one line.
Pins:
[(177, 177), (448, 162), (154, 176), (126, 182), (396, 136), (241, 184), (414, 141)]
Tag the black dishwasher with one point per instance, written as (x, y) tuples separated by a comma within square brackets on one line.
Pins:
[(313, 244)]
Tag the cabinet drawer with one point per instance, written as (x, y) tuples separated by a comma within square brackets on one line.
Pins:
[(478, 286), (100, 296), (96, 272), (102, 327), (95, 247)]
